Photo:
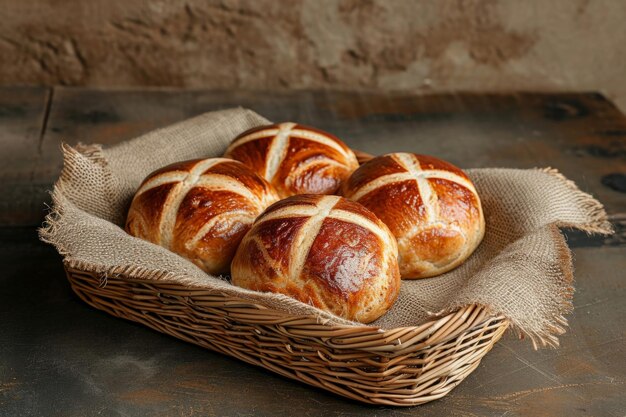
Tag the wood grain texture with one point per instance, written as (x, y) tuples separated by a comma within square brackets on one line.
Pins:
[(24, 170), (60, 357), (582, 135)]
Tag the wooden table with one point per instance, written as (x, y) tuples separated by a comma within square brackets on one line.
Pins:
[(60, 357)]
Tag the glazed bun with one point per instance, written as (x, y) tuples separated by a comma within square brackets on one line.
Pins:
[(326, 251), (430, 206), (295, 159), (200, 209)]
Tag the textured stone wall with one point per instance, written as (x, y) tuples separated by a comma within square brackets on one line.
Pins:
[(268, 44)]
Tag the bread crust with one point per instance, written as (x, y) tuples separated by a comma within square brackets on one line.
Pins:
[(294, 158), (430, 206), (326, 251), (200, 209)]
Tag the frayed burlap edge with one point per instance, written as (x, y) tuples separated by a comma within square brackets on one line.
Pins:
[(558, 323), (600, 223)]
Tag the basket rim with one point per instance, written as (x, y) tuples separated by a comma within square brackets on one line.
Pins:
[(392, 342)]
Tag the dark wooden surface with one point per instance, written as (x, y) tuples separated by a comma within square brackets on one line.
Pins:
[(60, 357)]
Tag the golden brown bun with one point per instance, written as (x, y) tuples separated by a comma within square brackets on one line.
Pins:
[(430, 206), (326, 251), (295, 159), (200, 209)]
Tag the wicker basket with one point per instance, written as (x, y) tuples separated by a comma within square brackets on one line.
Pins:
[(402, 367)]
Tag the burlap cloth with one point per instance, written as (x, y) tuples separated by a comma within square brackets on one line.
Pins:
[(522, 269)]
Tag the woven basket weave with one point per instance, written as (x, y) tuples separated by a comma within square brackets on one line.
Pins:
[(402, 367)]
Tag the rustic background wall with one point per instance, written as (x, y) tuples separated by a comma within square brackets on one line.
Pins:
[(341, 44)]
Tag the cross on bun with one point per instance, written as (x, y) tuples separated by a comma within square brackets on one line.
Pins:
[(430, 206), (200, 209), (295, 159), (326, 251)]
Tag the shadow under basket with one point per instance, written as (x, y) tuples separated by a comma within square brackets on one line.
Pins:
[(400, 367)]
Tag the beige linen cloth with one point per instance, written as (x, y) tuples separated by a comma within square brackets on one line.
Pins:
[(522, 269)]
